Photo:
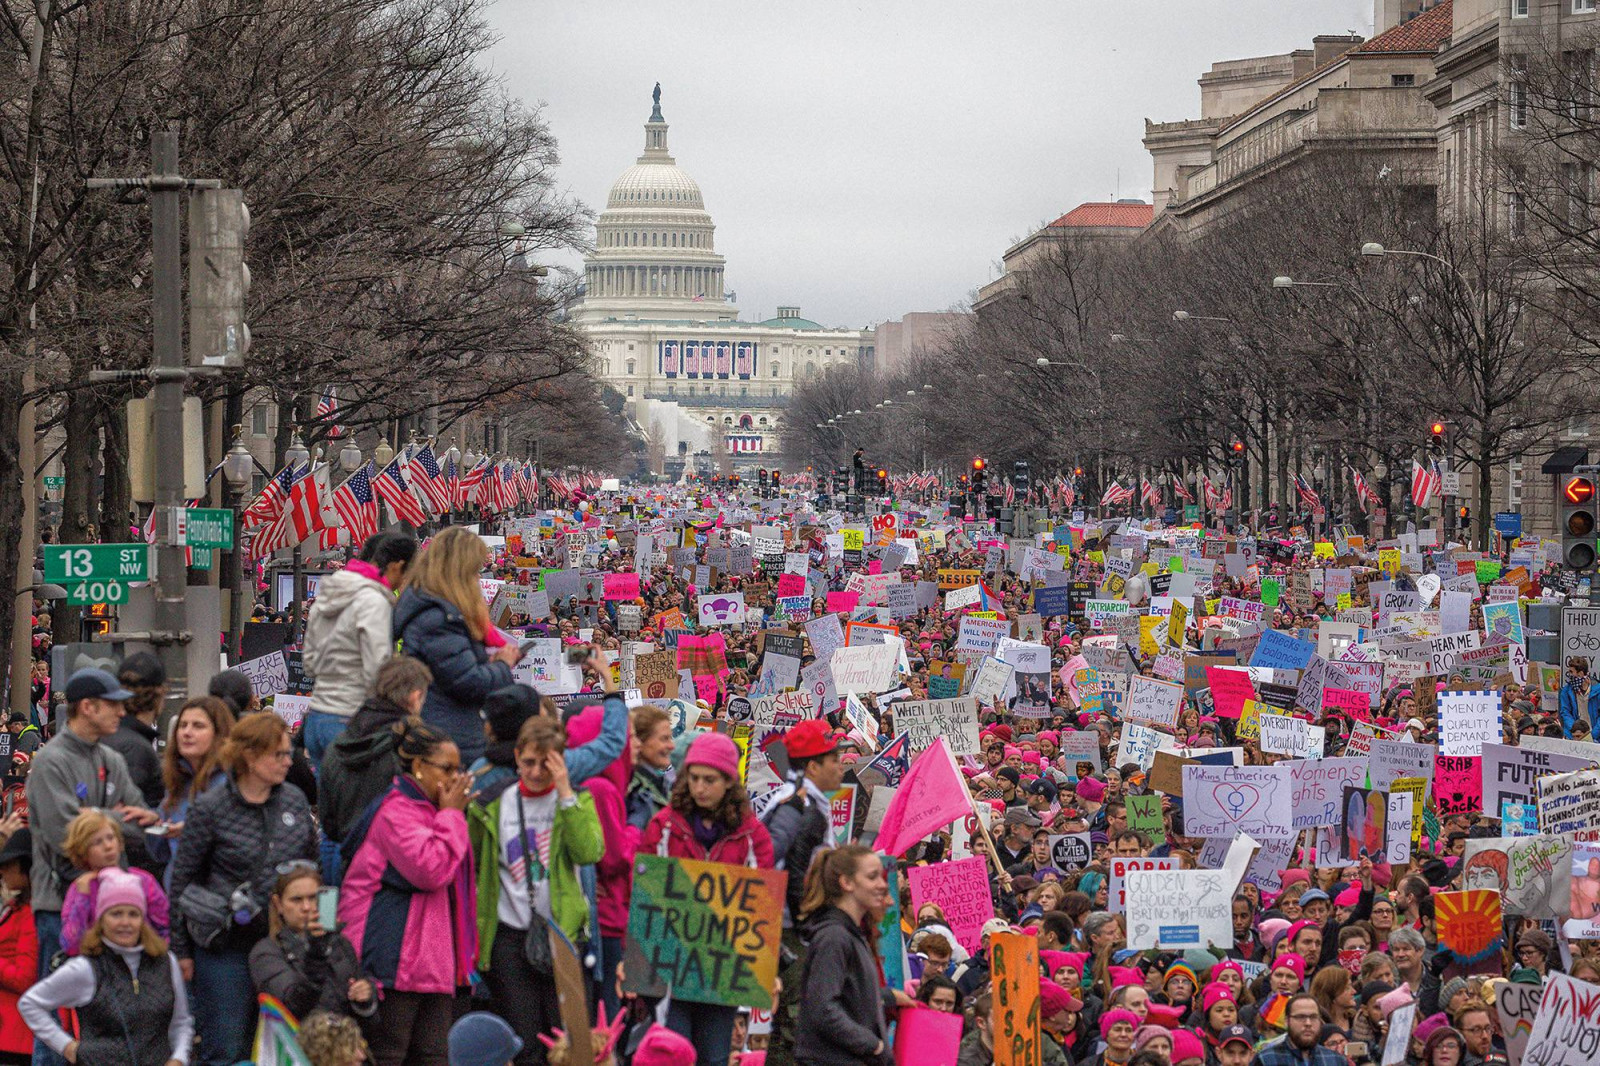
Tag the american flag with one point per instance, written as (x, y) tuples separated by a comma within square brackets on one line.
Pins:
[(327, 409), (469, 490), (1115, 495), (1213, 497), (1181, 490), (1227, 498), (1148, 493), (429, 480), (1364, 492), (394, 489), (357, 506), (452, 482), (1010, 494), (1308, 495), (1426, 481), (266, 507)]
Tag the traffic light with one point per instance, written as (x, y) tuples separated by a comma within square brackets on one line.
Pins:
[(1236, 452), (883, 482), (219, 278), (774, 480), (979, 475), (1020, 478), (1577, 507), (1436, 432)]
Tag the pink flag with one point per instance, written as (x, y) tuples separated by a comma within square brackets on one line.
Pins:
[(930, 797)]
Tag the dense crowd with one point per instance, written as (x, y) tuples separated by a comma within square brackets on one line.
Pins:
[(409, 870)]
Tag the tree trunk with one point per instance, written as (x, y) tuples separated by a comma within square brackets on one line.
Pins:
[(116, 504), (11, 500), (80, 515)]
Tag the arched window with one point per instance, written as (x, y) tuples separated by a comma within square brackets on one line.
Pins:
[(762, 420), (727, 420), (811, 370)]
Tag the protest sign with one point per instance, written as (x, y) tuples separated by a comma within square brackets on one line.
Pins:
[(1178, 909), (1152, 701), (1570, 803), (992, 680), (864, 668), (1399, 815), (1566, 1028), (1468, 924), (1457, 784), (926, 720), (1318, 789), (1390, 759), (709, 931), (891, 940), (1364, 832), (1014, 977), (1401, 1022), (1516, 1004), (1117, 892), (269, 674), (924, 1037), (1138, 744), (961, 889), (292, 709), (1070, 851), (1282, 734), (1144, 816), (722, 609), (1223, 801), (1468, 721), (1511, 772), (1531, 874), (1230, 688)]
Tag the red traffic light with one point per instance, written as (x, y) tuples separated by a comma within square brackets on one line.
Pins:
[(1077, 471), (1578, 490), (1437, 429), (977, 464), (1238, 446), (883, 473)]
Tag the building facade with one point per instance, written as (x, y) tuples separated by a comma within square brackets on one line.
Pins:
[(665, 330)]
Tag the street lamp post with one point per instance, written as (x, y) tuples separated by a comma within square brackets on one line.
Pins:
[(237, 466)]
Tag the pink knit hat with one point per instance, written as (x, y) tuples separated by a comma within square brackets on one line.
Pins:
[(663, 1047), (1185, 1046), (1112, 1017), (1290, 961), (1227, 965), (1215, 993), (1091, 789), (1053, 999), (716, 751), (117, 889), (1349, 897), (1271, 929), (1124, 975)]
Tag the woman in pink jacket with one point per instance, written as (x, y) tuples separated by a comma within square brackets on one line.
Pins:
[(613, 877), (708, 818), (408, 903)]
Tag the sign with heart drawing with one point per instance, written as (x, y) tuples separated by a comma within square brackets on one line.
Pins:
[(1224, 801)]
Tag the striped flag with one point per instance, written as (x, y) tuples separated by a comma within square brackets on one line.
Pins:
[(394, 488), (470, 491), (266, 507), (1426, 481), (1308, 495), (429, 480), (1181, 490), (1364, 491), (1148, 493), (1115, 495), (356, 505), (328, 410)]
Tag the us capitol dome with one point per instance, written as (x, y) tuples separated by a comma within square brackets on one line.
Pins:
[(666, 332)]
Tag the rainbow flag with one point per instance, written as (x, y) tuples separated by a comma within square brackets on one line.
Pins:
[(276, 1033)]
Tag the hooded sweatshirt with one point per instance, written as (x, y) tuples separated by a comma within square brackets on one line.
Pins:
[(349, 634)]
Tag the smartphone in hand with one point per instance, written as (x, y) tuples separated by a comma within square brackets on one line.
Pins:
[(328, 907)]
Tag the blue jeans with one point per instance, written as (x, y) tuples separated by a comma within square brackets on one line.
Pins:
[(707, 1026), (223, 1000), (319, 730), (48, 926)]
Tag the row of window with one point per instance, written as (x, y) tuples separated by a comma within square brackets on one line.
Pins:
[(694, 282), (659, 196), (653, 239), (1519, 8), (810, 370)]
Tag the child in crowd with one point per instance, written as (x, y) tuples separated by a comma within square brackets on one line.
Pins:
[(94, 843)]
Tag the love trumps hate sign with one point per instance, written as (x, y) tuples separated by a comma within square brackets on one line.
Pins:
[(708, 931)]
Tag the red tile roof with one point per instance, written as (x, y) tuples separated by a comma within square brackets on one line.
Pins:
[(1131, 216), (1425, 33)]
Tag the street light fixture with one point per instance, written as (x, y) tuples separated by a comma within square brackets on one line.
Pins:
[(350, 457), (382, 455), (1373, 248), (1184, 316), (454, 454), (238, 463), (296, 452)]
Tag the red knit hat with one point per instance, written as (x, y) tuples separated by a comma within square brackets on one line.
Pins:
[(810, 739)]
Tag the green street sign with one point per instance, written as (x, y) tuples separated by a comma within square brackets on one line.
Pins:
[(1191, 512), (210, 527), (98, 590), (202, 558), (54, 482), (68, 563)]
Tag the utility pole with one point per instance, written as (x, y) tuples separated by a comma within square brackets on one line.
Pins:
[(169, 374)]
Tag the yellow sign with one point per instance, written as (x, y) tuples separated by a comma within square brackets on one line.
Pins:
[(1343, 602), (1147, 639), (1250, 719), (993, 616), (949, 580), (1323, 549), (854, 540), (1389, 561), (1177, 622)]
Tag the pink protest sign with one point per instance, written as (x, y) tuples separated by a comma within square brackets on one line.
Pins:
[(622, 586), (1458, 783), (927, 1037), (875, 567), (1229, 690), (842, 601), (961, 889), (1347, 701), (791, 585)]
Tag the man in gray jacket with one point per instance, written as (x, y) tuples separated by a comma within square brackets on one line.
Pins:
[(350, 633), (73, 771)]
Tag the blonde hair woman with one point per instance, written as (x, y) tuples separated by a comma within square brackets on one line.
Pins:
[(442, 619)]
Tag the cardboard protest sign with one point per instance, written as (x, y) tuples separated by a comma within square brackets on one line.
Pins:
[(1117, 891), (864, 668), (269, 674), (961, 889), (1566, 1029), (1468, 721), (1144, 816), (1224, 801), (1516, 1004), (926, 720), (1366, 817), (1532, 875), (1457, 784), (1318, 789), (1511, 772), (1179, 909), (1570, 803), (924, 1037), (1152, 701), (1014, 977), (708, 931)]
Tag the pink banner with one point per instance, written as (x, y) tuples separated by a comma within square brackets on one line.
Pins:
[(622, 586), (1458, 783), (791, 585), (961, 889), (1229, 690), (842, 601)]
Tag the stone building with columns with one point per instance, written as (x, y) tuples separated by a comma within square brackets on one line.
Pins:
[(665, 329)]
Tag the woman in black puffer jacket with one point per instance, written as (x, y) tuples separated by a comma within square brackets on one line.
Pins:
[(443, 620), (237, 836)]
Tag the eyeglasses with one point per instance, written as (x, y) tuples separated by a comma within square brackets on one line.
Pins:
[(443, 767), (293, 865), (1478, 1029)]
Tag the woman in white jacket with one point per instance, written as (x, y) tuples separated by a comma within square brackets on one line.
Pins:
[(125, 986), (350, 633)]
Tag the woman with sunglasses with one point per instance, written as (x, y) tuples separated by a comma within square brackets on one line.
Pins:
[(304, 965), (408, 902), (236, 837)]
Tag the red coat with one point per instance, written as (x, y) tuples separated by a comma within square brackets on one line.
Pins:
[(748, 845), (19, 969)]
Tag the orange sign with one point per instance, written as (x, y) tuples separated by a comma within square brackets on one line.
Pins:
[(1014, 976)]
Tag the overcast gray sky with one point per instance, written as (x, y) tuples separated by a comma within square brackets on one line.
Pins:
[(865, 159)]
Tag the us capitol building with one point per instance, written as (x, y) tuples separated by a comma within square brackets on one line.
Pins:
[(665, 330)]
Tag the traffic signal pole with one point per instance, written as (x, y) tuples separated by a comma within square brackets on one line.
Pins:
[(168, 374)]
